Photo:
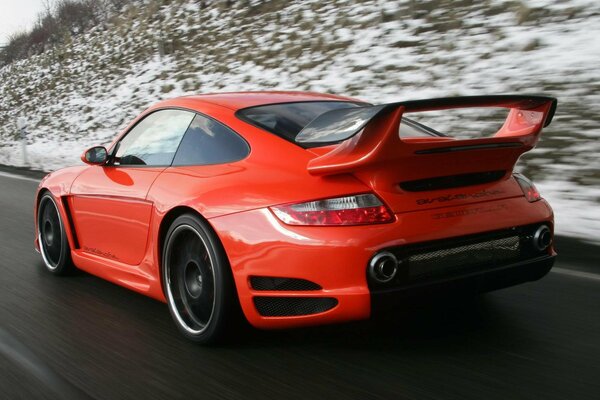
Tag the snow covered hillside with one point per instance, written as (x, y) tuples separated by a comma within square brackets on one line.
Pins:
[(84, 92)]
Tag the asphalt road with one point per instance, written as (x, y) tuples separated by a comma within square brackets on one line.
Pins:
[(86, 338)]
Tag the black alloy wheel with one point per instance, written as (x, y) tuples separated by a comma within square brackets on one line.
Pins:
[(52, 238), (197, 279)]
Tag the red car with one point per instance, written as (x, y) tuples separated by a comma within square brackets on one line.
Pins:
[(301, 208)]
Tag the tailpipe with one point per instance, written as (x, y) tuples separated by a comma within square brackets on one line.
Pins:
[(383, 267), (542, 238)]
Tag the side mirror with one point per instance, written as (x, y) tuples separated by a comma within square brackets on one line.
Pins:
[(97, 155)]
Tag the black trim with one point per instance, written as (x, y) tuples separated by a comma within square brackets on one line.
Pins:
[(451, 149), (551, 113), (293, 306), (268, 283), (65, 203), (466, 284), (407, 276)]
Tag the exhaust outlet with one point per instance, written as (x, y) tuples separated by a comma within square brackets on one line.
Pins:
[(542, 238), (383, 267)]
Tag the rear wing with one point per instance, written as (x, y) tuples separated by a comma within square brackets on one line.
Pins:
[(342, 124), (369, 135)]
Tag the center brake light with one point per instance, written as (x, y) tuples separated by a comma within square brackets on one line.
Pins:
[(360, 209)]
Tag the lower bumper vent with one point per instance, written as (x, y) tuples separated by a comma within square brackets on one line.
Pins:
[(492, 252), (293, 306), (440, 259), (282, 284)]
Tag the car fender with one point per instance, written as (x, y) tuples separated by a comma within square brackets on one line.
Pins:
[(58, 183)]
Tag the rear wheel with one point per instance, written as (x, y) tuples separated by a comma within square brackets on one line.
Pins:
[(198, 282), (52, 237)]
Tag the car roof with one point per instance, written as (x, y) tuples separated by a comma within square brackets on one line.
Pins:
[(238, 100)]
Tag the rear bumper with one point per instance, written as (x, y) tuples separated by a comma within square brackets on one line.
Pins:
[(481, 281), (336, 259)]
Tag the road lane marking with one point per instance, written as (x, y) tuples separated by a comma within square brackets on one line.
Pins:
[(578, 274), (15, 176)]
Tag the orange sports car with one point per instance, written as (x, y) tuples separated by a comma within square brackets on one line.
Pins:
[(300, 208)]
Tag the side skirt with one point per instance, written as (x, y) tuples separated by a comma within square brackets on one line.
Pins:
[(124, 275)]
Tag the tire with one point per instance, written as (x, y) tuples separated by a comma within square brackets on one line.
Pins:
[(197, 280), (54, 246)]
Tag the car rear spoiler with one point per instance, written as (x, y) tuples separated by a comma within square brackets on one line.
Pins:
[(368, 136)]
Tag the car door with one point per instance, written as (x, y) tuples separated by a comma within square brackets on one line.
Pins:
[(110, 211)]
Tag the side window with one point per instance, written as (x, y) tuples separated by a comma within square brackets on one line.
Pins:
[(154, 140), (210, 142)]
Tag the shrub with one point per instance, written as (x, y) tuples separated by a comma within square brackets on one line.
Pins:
[(56, 24)]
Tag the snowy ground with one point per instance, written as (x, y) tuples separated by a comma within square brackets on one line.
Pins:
[(83, 93)]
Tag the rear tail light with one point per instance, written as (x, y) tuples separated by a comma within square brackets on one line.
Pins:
[(529, 190), (360, 209)]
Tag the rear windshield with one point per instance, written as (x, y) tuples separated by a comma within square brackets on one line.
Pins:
[(288, 119)]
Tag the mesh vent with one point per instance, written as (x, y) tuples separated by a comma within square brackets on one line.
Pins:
[(291, 284), (438, 259), (293, 306), (490, 252)]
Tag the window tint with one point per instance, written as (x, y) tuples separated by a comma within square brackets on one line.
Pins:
[(288, 119), (210, 142), (154, 140)]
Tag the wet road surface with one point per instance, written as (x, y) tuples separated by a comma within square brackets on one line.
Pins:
[(86, 338)]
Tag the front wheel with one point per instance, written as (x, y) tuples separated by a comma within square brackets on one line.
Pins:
[(198, 283), (52, 237)]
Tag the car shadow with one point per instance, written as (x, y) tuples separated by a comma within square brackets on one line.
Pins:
[(419, 326), (443, 322)]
